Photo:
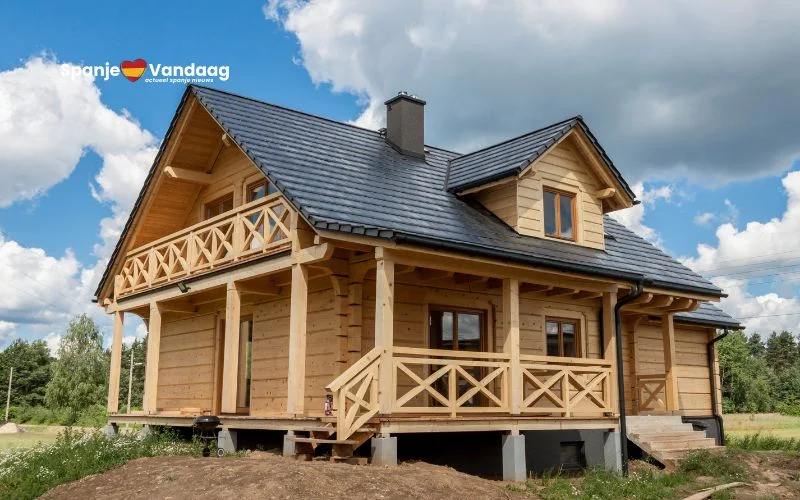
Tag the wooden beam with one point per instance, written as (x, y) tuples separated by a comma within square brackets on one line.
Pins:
[(226, 140), (644, 298), (682, 304), (511, 341), (605, 193), (230, 363), (178, 306), (586, 295), (153, 351), (269, 289), (670, 362), (116, 361), (558, 291), (425, 275), (465, 279), (298, 320), (533, 288), (401, 269), (610, 347), (184, 174), (384, 326), (661, 301)]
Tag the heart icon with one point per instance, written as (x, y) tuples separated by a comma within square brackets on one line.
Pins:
[(133, 70)]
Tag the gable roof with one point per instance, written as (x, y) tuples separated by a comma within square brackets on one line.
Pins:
[(511, 157), (349, 179)]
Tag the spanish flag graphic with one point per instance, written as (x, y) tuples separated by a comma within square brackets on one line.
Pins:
[(133, 70)]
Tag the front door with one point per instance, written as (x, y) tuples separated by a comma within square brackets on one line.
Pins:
[(458, 330)]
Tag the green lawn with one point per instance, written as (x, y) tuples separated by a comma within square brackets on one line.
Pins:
[(35, 434), (766, 424)]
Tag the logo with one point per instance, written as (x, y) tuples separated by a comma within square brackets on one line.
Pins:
[(158, 73), (133, 70)]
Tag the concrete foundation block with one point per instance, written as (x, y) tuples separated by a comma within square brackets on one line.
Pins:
[(110, 430), (514, 467), (384, 450), (612, 451), (226, 439), (289, 447)]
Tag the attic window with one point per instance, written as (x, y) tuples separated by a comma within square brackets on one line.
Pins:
[(559, 214)]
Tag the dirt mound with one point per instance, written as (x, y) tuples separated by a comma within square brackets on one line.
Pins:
[(265, 475), (11, 428)]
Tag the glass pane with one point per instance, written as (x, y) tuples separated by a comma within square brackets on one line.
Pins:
[(570, 340), (566, 216), (550, 213), (271, 189), (256, 191), (227, 205), (551, 328), (446, 339), (469, 332)]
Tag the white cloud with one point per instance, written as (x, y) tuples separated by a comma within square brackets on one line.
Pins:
[(53, 341), (760, 313), (666, 97), (704, 218), (633, 218), (6, 331), (48, 120)]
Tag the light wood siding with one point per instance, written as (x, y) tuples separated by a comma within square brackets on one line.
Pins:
[(501, 200), (186, 361), (232, 172), (562, 168)]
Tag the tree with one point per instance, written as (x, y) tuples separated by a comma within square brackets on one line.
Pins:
[(756, 345), (31, 363), (79, 372), (139, 350), (781, 351)]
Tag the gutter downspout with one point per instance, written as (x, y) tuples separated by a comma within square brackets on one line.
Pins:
[(713, 380), (635, 292)]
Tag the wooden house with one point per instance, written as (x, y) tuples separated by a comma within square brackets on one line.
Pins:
[(347, 286)]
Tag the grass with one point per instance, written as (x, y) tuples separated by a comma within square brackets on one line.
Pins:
[(740, 425), (642, 484), (758, 442), (25, 439), (28, 472)]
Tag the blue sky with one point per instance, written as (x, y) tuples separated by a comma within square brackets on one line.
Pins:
[(691, 127)]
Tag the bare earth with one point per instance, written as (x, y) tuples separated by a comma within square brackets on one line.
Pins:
[(263, 475)]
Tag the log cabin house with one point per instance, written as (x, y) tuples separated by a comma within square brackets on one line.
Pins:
[(346, 286)]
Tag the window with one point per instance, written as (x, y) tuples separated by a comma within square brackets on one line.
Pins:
[(256, 191), (562, 337), (572, 456), (458, 330), (260, 189), (219, 206), (559, 214)]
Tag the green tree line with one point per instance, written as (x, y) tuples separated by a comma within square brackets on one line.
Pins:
[(72, 387), (758, 375)]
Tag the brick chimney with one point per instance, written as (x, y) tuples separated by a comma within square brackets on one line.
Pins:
[(405, 124)]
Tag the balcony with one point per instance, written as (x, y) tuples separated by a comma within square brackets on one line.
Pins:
[(453, 384), (250, 231)]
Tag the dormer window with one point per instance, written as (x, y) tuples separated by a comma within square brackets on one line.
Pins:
[(559, 214)]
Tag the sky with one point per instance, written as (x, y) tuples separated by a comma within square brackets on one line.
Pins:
[(696, 103)]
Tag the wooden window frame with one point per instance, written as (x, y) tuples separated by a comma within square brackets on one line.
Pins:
[(216, 201), (484, 330), (573, 208), (560, 321), (248, 188)]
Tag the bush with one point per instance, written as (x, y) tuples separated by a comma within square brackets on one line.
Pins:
[(93, 416), (27, 473), (790, 407)]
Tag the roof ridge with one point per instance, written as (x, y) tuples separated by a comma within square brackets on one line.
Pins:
[(575, 118), (305, 113)]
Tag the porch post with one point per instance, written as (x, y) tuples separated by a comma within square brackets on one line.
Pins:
[(670, 362), (610, 347), (230, 360), (298, 313), (116, 361), (384, 326), (511, 341), (151, 366)]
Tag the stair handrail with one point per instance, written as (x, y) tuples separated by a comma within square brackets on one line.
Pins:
[(354, 370)]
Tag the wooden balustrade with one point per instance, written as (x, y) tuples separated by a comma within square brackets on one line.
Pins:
[(651, 392), (355, 394), (566, 387), (255, 229)]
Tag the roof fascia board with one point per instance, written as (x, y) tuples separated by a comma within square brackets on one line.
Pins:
[(482, 187), (592, 155)]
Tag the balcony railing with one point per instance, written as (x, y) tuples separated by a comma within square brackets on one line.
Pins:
[(457, 383), (255, 229), (651, 392)]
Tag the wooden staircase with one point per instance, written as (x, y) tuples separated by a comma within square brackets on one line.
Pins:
[(342, 449), (666, 438)]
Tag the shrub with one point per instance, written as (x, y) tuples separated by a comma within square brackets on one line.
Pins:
[(27, 473)]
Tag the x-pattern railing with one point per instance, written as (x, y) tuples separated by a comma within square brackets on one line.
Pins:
[(651, 392), (257, 228), (565, 385), (355, 394)]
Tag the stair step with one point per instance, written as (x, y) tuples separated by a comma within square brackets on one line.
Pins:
[(681, 453), (659, 429), (666, 436), (655, 419), (297, 439), (681, 444), (319, 429)]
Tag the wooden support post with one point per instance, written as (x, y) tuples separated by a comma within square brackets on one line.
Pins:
[(340, 299), (153, 352), (116, 362), (511, 341), (384, 326), (670, 362), (298, 317), (230, 362), (610, 347)]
